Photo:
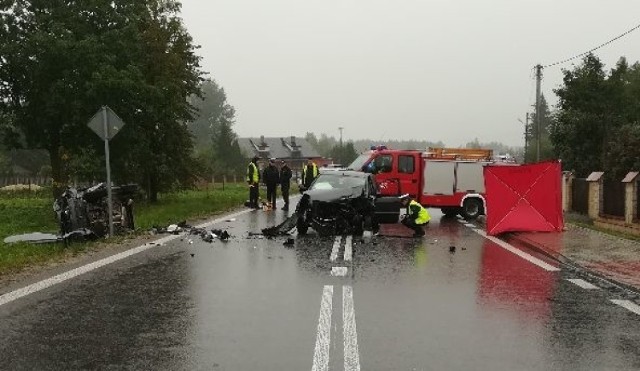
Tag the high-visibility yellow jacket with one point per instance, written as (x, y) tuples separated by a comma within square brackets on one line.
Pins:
[(309, 175), (417, 213), (253, 175)]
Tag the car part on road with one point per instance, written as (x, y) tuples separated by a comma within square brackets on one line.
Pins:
[(183, 227), (283, 228)]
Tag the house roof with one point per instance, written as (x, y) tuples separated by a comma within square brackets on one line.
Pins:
[(277, 147)]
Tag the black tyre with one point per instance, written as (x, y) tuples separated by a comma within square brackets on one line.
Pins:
[(450, 211), (472, 208), (358, 225), (302, 227)]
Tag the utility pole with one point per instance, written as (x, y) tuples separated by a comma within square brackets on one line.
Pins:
[(538, 123), (341, 154), (526, 136)]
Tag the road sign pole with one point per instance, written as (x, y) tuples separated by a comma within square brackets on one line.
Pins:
[(106, 155)]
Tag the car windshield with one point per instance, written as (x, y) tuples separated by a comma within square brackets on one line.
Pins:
[(359, 162), (337, 181)]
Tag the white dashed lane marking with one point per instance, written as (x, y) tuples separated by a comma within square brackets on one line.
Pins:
[(336, 248), (339, 271), (629, 305), (348, 249), (323, 337), (583, 284)]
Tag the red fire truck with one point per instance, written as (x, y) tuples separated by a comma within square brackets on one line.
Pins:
[(447, 178)]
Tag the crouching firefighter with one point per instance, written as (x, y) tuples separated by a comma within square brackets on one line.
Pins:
[(417, 216)]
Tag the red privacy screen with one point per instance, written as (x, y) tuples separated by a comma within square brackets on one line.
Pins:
[(526, 198)]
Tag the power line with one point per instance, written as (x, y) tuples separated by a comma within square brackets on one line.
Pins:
[(594, 49)]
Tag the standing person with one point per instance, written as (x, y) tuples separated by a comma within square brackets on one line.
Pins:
[(253, 180), (417, 216), (309, 173), (271, 179), (285, 183)]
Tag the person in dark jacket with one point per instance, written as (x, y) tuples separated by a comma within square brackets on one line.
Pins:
[(285, 183), (271, 177)]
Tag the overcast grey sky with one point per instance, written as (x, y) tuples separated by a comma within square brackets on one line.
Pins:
[(449, 70)]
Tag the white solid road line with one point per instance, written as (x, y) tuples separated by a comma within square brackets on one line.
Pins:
[(339, 271), (583, 284), (336, 248), (348, 249), (351, 356), (323, 338), (520, 253), (628, 304), (41, 285)]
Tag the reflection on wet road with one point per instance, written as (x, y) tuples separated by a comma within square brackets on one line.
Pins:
[(454, 300)]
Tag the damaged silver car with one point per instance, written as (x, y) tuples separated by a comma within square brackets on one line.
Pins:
[(338, 202)]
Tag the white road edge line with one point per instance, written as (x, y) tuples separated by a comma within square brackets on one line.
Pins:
[(348, 249), (336, 248), (41, 285), (351, 356), (627, 304), (339, 271), (583, 284), (520, 253), (323, 338)]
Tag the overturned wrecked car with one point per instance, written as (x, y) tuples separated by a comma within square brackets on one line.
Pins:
[(86, 209), (340, 202)]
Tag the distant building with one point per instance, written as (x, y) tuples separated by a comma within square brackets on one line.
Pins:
[(294, 150)]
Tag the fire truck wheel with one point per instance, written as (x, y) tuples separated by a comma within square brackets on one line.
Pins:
[(450, 211), (471, 208)]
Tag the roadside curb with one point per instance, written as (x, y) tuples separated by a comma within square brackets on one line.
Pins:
[(631, 291)]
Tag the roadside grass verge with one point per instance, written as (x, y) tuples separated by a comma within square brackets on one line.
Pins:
[(175, 207), (24, 212)]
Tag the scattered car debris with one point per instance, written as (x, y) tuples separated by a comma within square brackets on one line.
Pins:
[(183, 227)]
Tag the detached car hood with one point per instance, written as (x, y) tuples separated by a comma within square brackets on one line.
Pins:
[(333, 195)]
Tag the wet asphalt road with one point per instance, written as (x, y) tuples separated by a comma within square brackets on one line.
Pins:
[(254, 304)]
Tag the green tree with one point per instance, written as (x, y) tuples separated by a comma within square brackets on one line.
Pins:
[(344, 154), (209, 107), (546, 146), (595, 111), (227, 156), (312, 140), (61, 61)]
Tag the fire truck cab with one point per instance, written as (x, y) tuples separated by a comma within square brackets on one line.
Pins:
[(447, 178)]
